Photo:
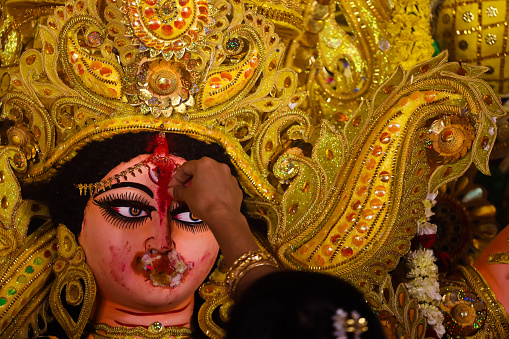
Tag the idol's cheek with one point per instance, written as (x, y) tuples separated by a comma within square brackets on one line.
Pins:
[(116, 265), (207, 257)]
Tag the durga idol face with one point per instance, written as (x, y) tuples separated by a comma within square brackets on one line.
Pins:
[(148, 253)]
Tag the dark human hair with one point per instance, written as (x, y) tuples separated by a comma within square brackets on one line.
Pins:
[(297, 304), (94, 161)]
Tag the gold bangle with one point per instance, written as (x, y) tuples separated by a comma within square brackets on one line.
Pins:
[(245, 263)]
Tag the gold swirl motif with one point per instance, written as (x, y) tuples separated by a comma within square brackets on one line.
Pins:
[(70, 272), (338, 230), (215, 294), (26, 280), (342, 199), (398, 313)]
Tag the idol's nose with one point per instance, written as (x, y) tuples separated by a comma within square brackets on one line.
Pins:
[(160, 238)]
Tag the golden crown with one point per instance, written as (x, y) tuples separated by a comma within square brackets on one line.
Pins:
[(263, 80)]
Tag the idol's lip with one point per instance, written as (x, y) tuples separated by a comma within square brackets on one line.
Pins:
[(162, 268)]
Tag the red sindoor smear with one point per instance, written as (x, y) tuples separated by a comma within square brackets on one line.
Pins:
[(164, 170)]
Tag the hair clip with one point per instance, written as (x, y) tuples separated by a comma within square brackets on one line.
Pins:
[(343, 324)]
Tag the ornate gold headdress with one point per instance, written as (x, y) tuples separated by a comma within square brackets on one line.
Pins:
[(339, 176)]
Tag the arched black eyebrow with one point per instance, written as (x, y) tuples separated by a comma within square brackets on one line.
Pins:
[(128, 184)]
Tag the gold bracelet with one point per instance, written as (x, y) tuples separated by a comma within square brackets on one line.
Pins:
[(245, 263)]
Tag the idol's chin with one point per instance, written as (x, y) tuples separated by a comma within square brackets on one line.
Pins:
[(155, 299)]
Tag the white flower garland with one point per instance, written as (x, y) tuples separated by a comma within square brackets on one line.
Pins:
[(423, 273)]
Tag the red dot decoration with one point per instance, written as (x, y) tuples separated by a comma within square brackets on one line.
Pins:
[(154, 24), (186, 12), (179, 23), (149, 12), (167, 30), (346, 251)]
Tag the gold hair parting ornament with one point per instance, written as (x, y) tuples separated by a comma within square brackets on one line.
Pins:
[(160, 159), (100, 186), (340, 198)]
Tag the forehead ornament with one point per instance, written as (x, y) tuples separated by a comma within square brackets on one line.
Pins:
[(159, 164)]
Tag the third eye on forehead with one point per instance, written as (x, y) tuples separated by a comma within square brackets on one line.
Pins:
[(128, 184)]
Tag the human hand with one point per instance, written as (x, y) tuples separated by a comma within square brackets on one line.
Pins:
[(213, 194), (208, 188)]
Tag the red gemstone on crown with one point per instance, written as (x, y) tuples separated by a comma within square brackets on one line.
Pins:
[(154, 24), (167, 29), (180, 23), (186, 12), (149, 12)]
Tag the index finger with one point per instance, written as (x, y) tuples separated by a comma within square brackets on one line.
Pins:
[(183, 174)]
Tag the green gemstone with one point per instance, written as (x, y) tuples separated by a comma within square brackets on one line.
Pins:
[(11, 291), (3, 301), (22, 279), (38, 261), (29, 270)]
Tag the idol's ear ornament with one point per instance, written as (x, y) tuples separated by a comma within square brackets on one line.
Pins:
[(74, 277)]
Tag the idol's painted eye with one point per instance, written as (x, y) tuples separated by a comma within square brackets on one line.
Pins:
[(130, 212), (187, 217), (186, 220), (127, 210)]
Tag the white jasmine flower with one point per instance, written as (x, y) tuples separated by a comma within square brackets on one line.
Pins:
[(431, 197), (424, 286), (424, 227), (421, 257), (440, 329), (428, 205), (432, 313)]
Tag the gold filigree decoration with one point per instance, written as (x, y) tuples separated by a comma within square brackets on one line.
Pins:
[(499, 258), (459, 23), (155, 331), (470, 280), (338, 198), (70, 272), (373, 175), (399, 314), (215, 294), (25, 284)]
